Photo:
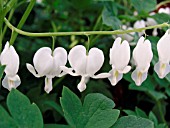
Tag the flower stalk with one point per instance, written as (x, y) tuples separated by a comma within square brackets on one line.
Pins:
[(49, 34)]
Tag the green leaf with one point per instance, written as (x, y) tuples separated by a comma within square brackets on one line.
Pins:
[(25, 114), (162, 126), (2, 68), (56, 126), (161, 18), (144, 5), (54, 105), (153, 118), (96, 108), (167, 91), (71, 105), (97, 87), (6, 121), (130, 112), (157, 95), (133, 122), (140, 113), (110, 20)]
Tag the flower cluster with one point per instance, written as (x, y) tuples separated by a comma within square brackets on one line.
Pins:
[(85, 63)]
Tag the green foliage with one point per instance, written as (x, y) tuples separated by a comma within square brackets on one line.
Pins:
[(144, 5), (161, 18), (2, 68), (146, 106), (109, 16), (6, 120), (23, 113), (133, 122), (96, 108)]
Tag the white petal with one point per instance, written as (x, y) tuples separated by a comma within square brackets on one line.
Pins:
[(82, 85), (43, 61), (68, 70), (162, 69), (10, 58), (60, 59), (151, 22), (125, 70), (48, 85), (115, 77), (140, 24), (138, 77), (155, 33), (129, 36), (164, 10), (32, 70), (142, 54), (77, 59), (120, 54), (95, 61), (163, 47), (10, 83), (101, 75)]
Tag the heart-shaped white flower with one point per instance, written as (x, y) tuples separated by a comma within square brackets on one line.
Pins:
[(48, 63), (142, 55), (10, 58), (162, 68), (140, 24), (119, 59), (85, 65)]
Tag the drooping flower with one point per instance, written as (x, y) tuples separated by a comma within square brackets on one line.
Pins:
[(164, 10), (85, 65), (142, 55), (128, 36), (140, 24), (162, 67), (150, 22), (10, 58), (48, 63), (119, 59)]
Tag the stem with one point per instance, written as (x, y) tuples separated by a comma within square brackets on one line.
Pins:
[(159, 107), (47, 34), (88, 45), (53, 43), (160, 111), (9, 18), (162, 3), (1, 22), (9, 5), (22, 21)]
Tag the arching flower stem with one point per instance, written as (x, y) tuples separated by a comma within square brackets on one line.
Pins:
[(48, 34)]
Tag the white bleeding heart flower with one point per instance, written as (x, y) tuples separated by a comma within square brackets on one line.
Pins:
[(142, 55), (119, 59), (140, 24), (85, 65), (128, 36), (10, 58), (164, 10), (162, 68), (48, 63)]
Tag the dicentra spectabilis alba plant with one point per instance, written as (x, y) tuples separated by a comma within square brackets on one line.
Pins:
[(48, 64), (140, 24), (119, 59), (128, 36), (10, 58), (164, 10), (85, 64), (142, 55), (162, 67)]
